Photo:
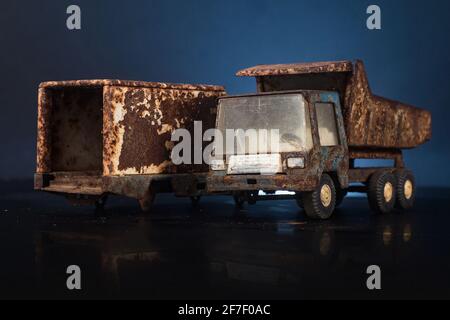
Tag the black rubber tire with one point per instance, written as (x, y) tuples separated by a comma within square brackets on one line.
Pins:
[(403, 201), (375, 194), (239, 199), (314, 208)]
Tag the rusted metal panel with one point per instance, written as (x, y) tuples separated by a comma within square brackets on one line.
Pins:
[(391, 154), (363, 175), (69, 136), (127, 83), (44, 132), (229, 183), (370, 121), (333, 159), (374, 121), (76, 129), (317, 81), (139, 122), (136, 186), (296, 68), (86, 183)]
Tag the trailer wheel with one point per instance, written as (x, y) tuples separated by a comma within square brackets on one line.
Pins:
[(320, 203), (382, 192), (239, 199), (406, 189)]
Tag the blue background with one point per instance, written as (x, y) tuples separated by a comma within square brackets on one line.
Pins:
[(208, 41)]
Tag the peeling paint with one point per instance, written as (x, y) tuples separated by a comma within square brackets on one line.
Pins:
[(148, 118)]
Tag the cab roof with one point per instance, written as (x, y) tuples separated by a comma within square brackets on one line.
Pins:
[(297, 68)]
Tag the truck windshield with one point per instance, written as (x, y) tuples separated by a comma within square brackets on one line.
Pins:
[(283, 113)]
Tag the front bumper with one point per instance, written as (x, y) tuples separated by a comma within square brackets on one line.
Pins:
[(229, 183)]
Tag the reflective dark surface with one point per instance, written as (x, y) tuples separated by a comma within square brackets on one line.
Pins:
[(266, 251)]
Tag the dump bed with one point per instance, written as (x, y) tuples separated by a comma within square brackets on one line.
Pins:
[(371, 121), (92, 129)]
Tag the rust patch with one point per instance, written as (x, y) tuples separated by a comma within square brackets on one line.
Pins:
[(43, 161), (139, 123), (373, 121), (127, 83), (364, 153), (76, 129), (296, 68)]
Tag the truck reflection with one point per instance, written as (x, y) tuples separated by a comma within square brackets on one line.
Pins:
[(180, 259)]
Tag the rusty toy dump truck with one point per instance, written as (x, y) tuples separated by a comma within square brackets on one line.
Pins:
[(327, 118), (100, 137)]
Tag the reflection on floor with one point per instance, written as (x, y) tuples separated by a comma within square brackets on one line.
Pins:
[(215, 251)]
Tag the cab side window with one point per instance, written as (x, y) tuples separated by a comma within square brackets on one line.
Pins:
[(326, 121)]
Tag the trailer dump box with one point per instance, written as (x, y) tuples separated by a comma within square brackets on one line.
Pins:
[(111, 136), (370, 121)]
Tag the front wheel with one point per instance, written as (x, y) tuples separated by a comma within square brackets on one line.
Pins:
[(320, 204)]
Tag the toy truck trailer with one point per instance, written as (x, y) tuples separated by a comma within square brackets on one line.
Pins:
[(100, 137), (328, 118)]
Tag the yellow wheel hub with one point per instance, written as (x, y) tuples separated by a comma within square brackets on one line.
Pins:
[(325, 195), (408, 189), (388, 192)]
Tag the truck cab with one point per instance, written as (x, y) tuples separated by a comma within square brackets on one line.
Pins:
[(290, 140)]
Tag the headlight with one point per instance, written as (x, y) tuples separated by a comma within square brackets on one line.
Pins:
[(296, 163), (217, 165)]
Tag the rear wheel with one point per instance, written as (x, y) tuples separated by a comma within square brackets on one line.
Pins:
[(406, 189), (320, 203), (382, 192)]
